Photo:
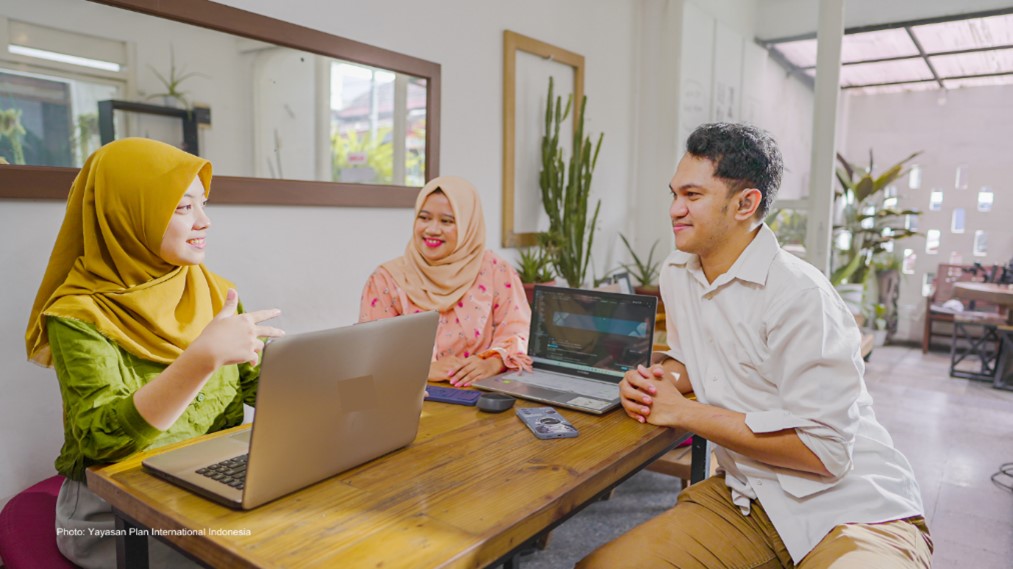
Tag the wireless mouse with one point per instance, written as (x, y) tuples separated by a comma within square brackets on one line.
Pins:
[(495, 402)]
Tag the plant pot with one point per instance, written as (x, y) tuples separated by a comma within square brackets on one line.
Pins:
[(648, 290), (878, 338), (529, 290)]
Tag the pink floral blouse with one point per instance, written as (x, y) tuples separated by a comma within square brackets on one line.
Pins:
[(493, 314)]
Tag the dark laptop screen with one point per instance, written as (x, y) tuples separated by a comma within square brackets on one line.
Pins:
[(591, 332)]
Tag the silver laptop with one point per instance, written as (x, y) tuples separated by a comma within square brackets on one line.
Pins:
[(327, 401), (582, 342)]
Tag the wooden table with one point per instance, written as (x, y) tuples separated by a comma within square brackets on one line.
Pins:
[(469, 492), (998, 294)]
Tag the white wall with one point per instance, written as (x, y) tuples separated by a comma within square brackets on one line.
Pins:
[(698, 63), (785, 109), (312, 262), (965, 127)]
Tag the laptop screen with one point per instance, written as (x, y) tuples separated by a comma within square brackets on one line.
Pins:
[(592, 333)]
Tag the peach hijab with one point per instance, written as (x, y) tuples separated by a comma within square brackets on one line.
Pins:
[(105, 268), (439, 285)]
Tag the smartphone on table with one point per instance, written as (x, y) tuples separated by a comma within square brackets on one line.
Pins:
[(546, 423)]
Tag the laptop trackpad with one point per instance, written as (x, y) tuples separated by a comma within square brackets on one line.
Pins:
[(357, 393)]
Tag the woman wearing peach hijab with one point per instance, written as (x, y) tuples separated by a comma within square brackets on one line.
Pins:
[(484, 316), (149, 346)]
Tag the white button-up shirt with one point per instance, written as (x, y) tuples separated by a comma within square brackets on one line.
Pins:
[(772, 339)]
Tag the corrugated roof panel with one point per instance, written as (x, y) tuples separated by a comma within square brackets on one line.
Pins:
[(899, 88), (885, 72), (877, 45), (965, 34), (976, 63), (978, 81), (801, 53)]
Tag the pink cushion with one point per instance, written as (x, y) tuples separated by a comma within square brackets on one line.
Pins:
[(28, 529)]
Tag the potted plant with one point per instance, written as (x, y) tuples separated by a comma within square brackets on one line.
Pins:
[(173, 96), (644, 272), (887, 270), (879, 325), (534, 267), (565, 192), (865, 226)]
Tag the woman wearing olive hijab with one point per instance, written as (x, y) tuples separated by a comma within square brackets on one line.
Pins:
[(149, 346)]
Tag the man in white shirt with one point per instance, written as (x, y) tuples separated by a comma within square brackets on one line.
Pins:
[(809, 477)]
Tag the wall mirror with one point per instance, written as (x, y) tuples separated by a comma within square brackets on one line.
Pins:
[(527, 66), (287, 114)]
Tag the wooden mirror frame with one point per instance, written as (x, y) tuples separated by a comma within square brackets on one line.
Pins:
[(512, 43), (53, 183)]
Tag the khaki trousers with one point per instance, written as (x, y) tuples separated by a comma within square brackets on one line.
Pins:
[(705, 530)]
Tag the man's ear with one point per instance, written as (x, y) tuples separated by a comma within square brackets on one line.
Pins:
[(748, 202)]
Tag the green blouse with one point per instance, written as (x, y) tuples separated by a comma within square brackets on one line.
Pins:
[(98, 380)]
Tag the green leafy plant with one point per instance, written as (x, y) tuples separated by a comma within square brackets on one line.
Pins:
[(789, 225), (867, 224), (379, 154), (565, 192), (172, 82), (645, 272), (86, 131), (12, 129), (879, 317), (534, 266)]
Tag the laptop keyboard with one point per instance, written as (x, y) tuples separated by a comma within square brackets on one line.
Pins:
[(559, 382), (231, 472)]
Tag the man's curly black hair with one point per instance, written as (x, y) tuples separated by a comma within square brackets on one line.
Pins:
[(744, 156)]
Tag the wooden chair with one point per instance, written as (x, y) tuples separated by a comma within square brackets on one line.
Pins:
[(678, 462), (946, 276)]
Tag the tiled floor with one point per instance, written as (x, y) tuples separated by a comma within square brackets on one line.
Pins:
[(955, 432)]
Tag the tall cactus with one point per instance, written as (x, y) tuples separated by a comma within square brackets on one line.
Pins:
[(565, 192)]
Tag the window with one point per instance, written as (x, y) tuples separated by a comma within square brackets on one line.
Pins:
[(869, 217), (888, 243), (980, 243), (932, 238), (936, 200), (914, 179), (908, 265), (911, 222), (961, 182), (48, 99), (378, 125), (985, 198), (957, 220)]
